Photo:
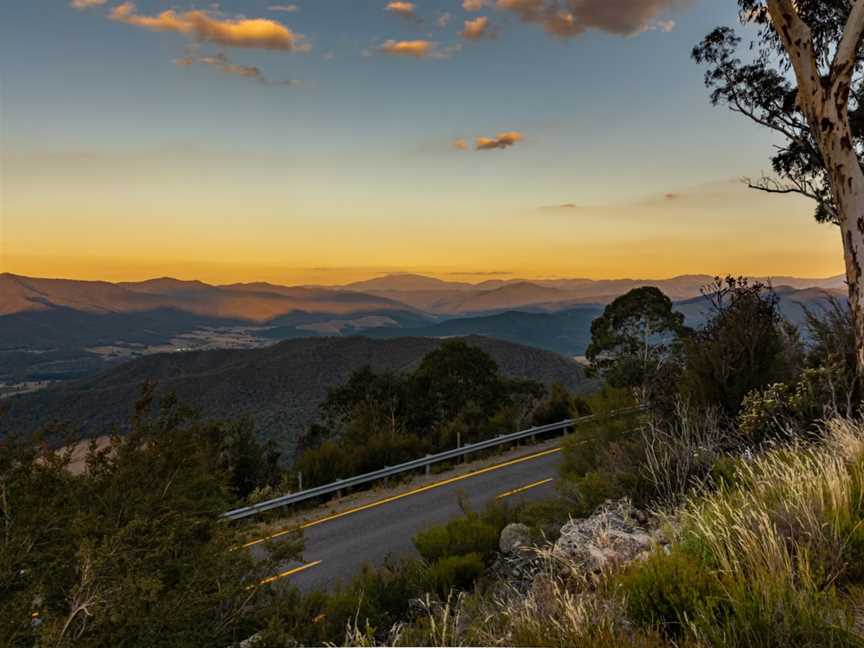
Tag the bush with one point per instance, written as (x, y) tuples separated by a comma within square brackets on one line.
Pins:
[(374, 600), (465, 535), (745, 345), (454, 573), (667, 591)]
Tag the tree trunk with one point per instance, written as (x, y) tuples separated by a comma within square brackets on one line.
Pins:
[(824, 100)]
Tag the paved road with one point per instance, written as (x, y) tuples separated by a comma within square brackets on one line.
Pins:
[(338, 545)]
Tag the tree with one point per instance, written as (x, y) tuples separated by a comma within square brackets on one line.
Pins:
[(821, 117), (633, 338), (379, 400), (745, 345), (454, 375), (133, 552)]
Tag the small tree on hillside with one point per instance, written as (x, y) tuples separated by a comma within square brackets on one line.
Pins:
[(818, 114), (744, 345), (454, 375), (633, 338)]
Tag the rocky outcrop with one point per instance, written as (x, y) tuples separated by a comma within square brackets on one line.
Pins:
[(616, 534), (613, 536)]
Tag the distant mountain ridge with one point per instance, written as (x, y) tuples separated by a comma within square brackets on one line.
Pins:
[(57, 329), (456, 298), (241, 302)]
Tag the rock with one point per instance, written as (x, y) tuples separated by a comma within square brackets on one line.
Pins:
[(610, 537), (514, 537)]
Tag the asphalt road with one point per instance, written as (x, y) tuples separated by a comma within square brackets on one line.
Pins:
[(338, 545)]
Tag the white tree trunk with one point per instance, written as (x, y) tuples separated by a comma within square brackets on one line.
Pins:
[(824, 100)]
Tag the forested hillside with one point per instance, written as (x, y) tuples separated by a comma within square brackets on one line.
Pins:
[(280, 386)]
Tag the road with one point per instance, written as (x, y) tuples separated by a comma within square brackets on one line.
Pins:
[(338, 544)]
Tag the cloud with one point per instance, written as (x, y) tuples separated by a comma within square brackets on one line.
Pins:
[(222, 63), (415, 48), (460, 144), (568, 18), (476, 29), (418, 49), (476, 5), (86, 4), (402, 9), (443, 20), (286, 8), (500, 141), (249, 33), (562, 208)]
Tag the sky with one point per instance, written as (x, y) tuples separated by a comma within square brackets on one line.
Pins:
[(325, 141)]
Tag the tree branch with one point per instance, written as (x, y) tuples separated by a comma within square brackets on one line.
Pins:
[(847, 51), (797, 40)]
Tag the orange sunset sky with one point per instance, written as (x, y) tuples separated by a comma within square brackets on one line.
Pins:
[(336, 141)]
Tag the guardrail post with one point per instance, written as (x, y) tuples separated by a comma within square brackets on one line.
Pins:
[(461, 459), (428, 468)]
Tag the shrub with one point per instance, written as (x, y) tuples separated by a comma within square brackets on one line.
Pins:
[(461, 536), (558, 406), (745, 345), (454, 573), (666, 591), (375, 600)]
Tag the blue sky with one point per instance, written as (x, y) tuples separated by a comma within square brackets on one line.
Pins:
[(119, 162)]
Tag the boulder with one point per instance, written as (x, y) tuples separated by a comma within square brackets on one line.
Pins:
[(514, 537), (611, 536)]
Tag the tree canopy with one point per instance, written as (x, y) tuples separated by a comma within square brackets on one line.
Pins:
[(634, 337)]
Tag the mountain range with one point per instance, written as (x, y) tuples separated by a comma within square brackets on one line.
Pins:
[(54, 329)]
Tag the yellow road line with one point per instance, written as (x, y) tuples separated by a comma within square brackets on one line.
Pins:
[(524, 488), (290, 572), (416, 491)]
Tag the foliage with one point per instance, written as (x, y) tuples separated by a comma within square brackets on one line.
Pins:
[(745, 345), (668, 591), (681, 451), (375, 600), (558, 406), (133, 551), (633, 338), (602, 459), (454, 376), (826, 386), (772, 558), (832, 349), (469, 534), (248, 464), (456, 572), (380, 419), (760, 90)]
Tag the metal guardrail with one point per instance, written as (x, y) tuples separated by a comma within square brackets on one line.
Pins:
[(390, 471)]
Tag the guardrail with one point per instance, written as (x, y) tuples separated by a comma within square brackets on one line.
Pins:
[(390, 471)]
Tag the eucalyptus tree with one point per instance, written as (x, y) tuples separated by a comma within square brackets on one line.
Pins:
[(802, 78), (633, 338)]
